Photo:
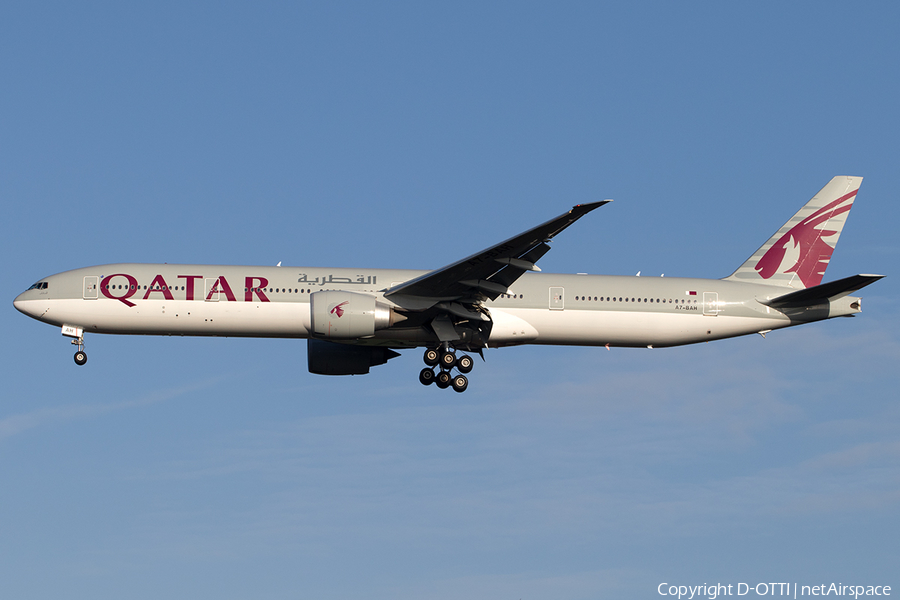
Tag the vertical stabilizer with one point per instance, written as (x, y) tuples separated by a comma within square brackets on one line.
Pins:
[(798, 254)]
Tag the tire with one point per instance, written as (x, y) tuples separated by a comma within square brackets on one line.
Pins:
[(460, 383), (80, 357), (443, 380), (426, 376), (448, 360), (431, 357), (465, 363)]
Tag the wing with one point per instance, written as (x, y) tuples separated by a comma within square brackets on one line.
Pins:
[(488, 273)]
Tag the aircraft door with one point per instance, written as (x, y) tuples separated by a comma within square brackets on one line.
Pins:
[(557, 298), (212, 290), (710, 303), (91, 287)]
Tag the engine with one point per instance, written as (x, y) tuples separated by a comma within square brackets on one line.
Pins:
[(338, 315), (331, 358)]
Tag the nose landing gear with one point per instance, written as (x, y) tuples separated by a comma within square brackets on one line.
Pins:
[(447, 360), (80, 354), (77, 335)]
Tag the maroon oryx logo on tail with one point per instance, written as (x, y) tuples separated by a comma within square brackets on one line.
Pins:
[(803, 250), (338, 309)]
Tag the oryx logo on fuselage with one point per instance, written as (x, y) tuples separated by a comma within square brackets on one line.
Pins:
[(803, 250), (338, 309)]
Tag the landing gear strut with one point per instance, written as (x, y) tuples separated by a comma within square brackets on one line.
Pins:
[(447, 359)]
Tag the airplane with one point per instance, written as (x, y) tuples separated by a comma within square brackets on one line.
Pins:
[(355, 319)]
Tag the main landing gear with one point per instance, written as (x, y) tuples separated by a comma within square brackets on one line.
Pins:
[(447, 360)]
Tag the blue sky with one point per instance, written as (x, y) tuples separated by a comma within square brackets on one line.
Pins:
[(411, 135)]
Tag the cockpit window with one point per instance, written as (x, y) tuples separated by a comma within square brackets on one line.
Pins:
[(40, 285)]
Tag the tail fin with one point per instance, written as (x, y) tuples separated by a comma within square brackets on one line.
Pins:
[(798, 254)]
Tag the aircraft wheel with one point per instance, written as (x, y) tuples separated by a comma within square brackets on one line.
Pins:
[(465, 363), (443, 380), (448, 360), (426, 376), (460, 383), (431, 357), (80, 357)]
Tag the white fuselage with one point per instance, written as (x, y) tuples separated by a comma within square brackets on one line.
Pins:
[(541, 308)]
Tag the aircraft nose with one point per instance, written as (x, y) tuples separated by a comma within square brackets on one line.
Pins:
[(19, 303), (24, 305)]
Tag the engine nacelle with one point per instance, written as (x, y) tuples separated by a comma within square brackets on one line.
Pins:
[(341, 315), (331, 358)]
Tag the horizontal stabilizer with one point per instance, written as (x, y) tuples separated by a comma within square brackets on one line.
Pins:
[(822, 293)]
